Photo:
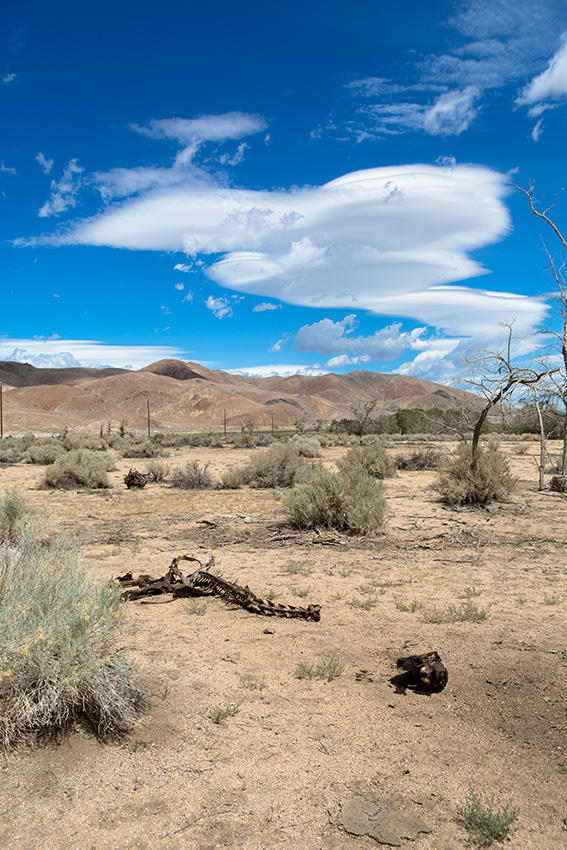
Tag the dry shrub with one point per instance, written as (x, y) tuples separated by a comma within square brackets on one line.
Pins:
[(44, 453), (307, 446), (157, 471), (419, 460), (193, 477), (16, 512), (232, 479), (348, 501), (60, 662), (79, 468), (142, 448), (490, 480), (278, 466), (371, 460)]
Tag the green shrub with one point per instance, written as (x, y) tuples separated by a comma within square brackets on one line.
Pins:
[(193, 477), (79, 468), (278, 466), (348, 501), (461, 484), (484, 822), (60, 663), (372, 460)]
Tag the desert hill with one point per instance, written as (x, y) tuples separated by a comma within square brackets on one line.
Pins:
[(183, 395)]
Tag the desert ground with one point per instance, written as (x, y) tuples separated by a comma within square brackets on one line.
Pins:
[(280, 771)]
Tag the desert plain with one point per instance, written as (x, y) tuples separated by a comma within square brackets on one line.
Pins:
[(281, 768)]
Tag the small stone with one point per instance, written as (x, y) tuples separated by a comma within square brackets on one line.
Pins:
[(269, 631)]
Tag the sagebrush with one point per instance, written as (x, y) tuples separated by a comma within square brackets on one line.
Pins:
[(280, 465), (193, 477), (347, 501), (79, 468), (462, 482), (60, 661), (371, 459)]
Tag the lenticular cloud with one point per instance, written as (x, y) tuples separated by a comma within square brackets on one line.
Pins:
[(357, 240)]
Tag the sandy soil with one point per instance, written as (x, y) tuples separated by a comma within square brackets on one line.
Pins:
[(276, 773)]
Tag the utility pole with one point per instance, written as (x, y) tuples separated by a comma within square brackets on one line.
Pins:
[(224, 420), (1, 415)]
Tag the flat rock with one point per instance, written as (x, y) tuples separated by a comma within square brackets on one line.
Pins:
[(383, 820)]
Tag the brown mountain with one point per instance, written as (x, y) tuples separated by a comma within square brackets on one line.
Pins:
[(186, 395)]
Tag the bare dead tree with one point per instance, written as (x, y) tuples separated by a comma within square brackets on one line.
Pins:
[(495, 377), (559, 296), (362, 414)]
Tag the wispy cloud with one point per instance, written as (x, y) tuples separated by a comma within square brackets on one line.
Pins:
[(7, 169), (496, 47), (337, 338), (265, 305), (54, 352), (64, 191), (9, 78), (45, 164)]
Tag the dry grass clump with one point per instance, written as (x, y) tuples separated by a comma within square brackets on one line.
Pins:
[(16, 512), (60, 664), (461, 484), (372, 460), (193, 477), (280, 465), (157, 471), (79, 468), (232, 479), (348, 501)]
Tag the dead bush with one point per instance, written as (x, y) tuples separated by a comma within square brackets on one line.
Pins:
[(193, 477), (232, 479), (372, 460), (419, 460), (157, 471), (348, 501), (459, 483)]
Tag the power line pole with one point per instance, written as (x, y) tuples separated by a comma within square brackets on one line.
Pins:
[(1, 414)]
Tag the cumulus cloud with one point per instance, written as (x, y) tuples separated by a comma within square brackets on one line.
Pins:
[(327, 337), (265, 305), (275, 370), (220, 307), (54, 352)]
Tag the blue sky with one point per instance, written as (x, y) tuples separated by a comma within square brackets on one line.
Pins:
[(277, 188)]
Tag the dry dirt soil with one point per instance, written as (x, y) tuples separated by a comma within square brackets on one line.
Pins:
[(279, 772)]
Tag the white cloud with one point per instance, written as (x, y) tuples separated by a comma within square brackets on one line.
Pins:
[(551, 84), (265, 305), (180, 286), (188, 298), (45, 164), (9, 78), (206, 128), (220, 307), (7, 169), (183, 267), (282, 370), (327, 337), (385, 240), (54, 352), (277, 346), (452, 113), (63, 192)]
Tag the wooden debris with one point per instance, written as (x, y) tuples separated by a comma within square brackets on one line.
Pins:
[(426, 672), (133, 478), (204, 583)]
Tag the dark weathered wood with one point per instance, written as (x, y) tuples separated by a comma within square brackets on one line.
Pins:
[(425, 672), (133, 478)]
